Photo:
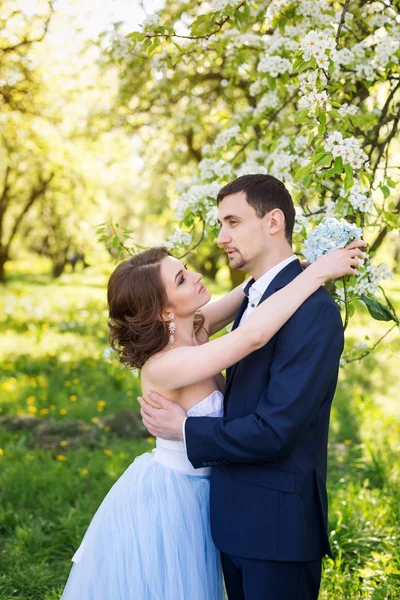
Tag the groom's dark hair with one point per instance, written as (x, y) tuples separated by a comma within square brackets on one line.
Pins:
[(263, 193)]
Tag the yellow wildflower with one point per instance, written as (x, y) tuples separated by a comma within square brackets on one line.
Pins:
[(101, 403), (84, 472), (67, 383), (347, 442), (107, 428), (31, 399), (76, 380), (107, 452), (63, 411), (150, 440), (61, 458), (53, 407), (95, 420), (73, 398), (64, 443), (1, 452), (44, 411), (32, 410)]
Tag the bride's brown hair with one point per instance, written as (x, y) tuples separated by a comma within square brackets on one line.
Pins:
[(136, 298)]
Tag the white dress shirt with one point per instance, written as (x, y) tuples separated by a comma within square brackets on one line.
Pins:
[(259, 287), (256, 292)]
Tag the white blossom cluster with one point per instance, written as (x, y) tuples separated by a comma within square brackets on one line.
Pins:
[(274, 65), (178, 238), (219, 5), (368, 279), (212, 216), (300, 223), (276, 42), (309, 80), (257, 85), (315, 45), (348, 109), (385, 52), (348, 148), (151, 21), (318, 11), (360, 201), (269, 100), (194, 195), (209, 168), (330, 234), (225, 136), (314, 98)]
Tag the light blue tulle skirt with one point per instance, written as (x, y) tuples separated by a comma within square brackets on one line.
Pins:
[(149, 540)]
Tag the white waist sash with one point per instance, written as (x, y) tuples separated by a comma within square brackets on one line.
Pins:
[(178, 461)]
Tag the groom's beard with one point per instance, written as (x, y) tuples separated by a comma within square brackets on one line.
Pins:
[(236, 261)]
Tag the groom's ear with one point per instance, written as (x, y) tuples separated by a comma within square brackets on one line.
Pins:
[(275, 221)]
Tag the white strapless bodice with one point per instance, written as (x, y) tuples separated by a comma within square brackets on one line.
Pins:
[(172, 454)]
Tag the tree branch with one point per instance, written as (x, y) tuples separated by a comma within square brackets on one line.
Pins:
[(35, 193)]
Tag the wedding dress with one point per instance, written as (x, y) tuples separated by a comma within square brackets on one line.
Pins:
[(150, 538)]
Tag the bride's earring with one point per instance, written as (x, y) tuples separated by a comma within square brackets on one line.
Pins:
[(171, 329)]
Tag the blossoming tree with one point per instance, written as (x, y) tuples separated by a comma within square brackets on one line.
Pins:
[(308, 91)]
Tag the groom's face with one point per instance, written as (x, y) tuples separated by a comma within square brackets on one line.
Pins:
[(242, 232)]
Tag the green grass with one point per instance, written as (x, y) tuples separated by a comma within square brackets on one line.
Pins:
[(52, 365)]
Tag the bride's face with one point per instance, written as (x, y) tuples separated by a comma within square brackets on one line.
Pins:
[(185, 291)]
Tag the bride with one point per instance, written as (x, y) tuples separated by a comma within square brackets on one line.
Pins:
[(150, 538)]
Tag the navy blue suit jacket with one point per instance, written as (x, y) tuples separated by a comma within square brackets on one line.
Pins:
[(269, 451)]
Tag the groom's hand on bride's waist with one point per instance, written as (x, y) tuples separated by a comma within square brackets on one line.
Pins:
[(166, 421)]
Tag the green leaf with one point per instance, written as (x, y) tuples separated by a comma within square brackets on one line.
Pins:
[(377, 310), (325, 160), (385, 191), (303, 172), (301, 116), (338, 165)]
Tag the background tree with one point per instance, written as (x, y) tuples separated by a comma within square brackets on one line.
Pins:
[(308, 92)]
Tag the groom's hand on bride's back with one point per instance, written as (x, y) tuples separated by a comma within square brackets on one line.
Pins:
[(161, 417)]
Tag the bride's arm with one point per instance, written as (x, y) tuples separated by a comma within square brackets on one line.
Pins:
[(187, 365), (220, 313)]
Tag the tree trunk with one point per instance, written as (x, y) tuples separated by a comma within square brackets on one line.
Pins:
[(58, 267), (3, 259)]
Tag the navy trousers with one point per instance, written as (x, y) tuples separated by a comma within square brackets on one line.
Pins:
[(248, 579)]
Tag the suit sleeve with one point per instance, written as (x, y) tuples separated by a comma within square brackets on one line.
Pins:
[(306, 361)]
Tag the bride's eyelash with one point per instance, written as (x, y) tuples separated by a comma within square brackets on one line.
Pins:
[(182, 279)]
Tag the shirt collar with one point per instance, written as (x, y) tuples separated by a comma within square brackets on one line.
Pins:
[(263, 282)]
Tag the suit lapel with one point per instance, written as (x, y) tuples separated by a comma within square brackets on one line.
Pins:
[(282, 278)]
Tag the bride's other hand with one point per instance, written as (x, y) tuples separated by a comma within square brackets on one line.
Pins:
[(343, 261)]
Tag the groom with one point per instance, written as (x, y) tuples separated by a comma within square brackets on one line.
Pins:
[(269, 451)]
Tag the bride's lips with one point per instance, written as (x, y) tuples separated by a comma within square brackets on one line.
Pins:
[(202, 289)]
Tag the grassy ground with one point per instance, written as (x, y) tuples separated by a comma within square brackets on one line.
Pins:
[(52, 365)]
